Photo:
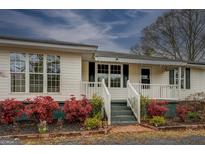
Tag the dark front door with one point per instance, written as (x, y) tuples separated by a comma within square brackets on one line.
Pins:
[(145, 77)]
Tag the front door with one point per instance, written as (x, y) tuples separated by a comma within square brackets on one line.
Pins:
[(145, 77)]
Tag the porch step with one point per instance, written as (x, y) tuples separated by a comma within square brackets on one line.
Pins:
[(123, 122), (121, 114), (119, 107), (123, 118)]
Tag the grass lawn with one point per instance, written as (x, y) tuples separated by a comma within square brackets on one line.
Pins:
[(156, 137)]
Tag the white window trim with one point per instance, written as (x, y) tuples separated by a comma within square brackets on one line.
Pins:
[(140, 73), (52, 74), (9, 67), (27, 77), (182, 69), (36, 73), (109, 74)]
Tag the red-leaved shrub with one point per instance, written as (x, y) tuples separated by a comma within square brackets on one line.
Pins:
[(182, 111), (10, 109), (77, 110), (155, 108), (41, 108)]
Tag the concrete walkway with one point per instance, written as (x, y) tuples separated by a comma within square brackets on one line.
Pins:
[(130, 129)]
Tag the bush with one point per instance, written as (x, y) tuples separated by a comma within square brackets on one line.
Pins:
[(42, 127), (92, 123), (96, 103), (193, 116), (144, 101), (77, 110), (181, 111), (156, 108), (10, 109), (41, 108), (157, 121)]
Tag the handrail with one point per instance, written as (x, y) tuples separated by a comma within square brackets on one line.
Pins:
[(133, 100), (107, 101)]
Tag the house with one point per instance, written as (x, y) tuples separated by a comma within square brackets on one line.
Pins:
[(30, 67)]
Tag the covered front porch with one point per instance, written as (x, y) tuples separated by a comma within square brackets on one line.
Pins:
[(123, 80), (154, 81)]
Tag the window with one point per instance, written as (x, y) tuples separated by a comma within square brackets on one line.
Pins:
[(185, 77), (115, 76), (103, 72), (53, 73), (36, 73), (17, 70)]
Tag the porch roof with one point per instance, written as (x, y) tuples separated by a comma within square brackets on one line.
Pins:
[(106, 56)]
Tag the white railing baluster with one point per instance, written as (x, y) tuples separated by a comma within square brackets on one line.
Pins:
[(133, 100), (158, 91), (98, 88)]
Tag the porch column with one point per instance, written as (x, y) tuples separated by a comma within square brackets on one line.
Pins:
[(179, 81)]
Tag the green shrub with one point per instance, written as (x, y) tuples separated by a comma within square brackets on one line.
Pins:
[(157, 121), (144, 101), (42, 127), (92, 123), (193, 116), (96, 103)]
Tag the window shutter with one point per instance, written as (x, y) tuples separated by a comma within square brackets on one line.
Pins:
[(91, 72), (171, 77), (188, 78), (125, 75)]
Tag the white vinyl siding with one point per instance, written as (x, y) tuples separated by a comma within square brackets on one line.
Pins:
[(71, 68), (85, 71)]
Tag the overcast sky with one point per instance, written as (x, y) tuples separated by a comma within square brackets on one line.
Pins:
[(115, 30)]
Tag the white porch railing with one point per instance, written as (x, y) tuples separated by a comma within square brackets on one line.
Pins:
[(157, 91), (98, 88), (107, 101), (91, 88), (133, 100)]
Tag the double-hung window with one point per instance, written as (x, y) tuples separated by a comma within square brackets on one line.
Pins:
[(103, 72), (115, 76), (36, 73), (17, 70), (40, 71), (53, 73), (185, 77), (112, 74)]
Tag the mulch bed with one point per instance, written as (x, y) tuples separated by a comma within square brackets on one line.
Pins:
[(29, 127)]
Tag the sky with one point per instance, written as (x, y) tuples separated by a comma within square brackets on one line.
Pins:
[(111, 30)]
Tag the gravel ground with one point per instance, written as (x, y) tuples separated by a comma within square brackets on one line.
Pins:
[(10, 141), (146, 138)]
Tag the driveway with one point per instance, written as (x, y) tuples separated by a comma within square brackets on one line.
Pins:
[(123, 138)]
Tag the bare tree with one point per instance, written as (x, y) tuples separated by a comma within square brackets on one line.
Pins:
[(178, 34)]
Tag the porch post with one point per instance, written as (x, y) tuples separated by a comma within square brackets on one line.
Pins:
[(179, 81)]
